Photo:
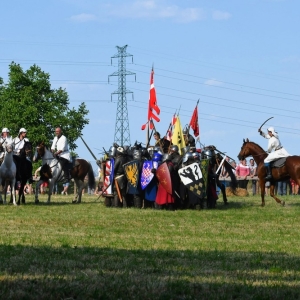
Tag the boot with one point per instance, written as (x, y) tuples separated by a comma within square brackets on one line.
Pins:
[(269, 173)]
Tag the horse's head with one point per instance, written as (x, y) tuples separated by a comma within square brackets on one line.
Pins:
[(39, 151), (26, 151), (9, 148), (245, 150)]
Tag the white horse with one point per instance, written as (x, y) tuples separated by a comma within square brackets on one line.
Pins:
[(8, 172)]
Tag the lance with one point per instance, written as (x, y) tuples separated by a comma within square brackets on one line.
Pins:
[(223, 153), (220, 165), (89, 149), (259, 130)]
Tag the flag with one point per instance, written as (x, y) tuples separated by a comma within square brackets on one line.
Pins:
[(153, 107), (177, 137), (194, 121), (170, 130)]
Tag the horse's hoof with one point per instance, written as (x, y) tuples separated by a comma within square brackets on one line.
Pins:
[(226, 203), (74, 201), (36, 201)]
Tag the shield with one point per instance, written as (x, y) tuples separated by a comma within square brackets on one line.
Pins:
[(131, 170), (147, 175), (191, 177), (204, 163), (164, 177), (108, 177)]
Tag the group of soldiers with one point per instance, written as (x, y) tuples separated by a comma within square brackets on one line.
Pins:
[(161, 176)]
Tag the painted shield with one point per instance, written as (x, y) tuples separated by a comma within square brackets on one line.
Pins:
[(131, 170), (147, 175), (191, 177), (108, 176), (204, 163), (164, 177)]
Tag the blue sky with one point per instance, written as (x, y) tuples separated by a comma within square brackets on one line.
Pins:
[(240, 58)]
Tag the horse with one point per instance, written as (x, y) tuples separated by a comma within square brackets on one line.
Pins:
[(24, 168), (290, 169), (8, 173), (215, 160), (54, 172)]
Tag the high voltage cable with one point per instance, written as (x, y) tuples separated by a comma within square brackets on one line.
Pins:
[(221, 81)]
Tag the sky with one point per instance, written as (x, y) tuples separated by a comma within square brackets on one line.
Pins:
[(240, 58)]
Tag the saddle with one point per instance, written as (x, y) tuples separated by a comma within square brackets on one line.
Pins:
[(278, 163)]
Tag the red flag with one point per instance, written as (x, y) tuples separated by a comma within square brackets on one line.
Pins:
[(194, 122), (152, 101), (169, 132)]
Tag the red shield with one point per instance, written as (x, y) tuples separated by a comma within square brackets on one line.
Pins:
[(164, 177)]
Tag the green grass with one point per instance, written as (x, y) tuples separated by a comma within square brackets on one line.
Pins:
[(88, 251)]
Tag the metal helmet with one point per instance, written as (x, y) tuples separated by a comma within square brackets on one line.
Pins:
[(185, 131), (207, 154), (185, 150), (112, 151), (157, 156), (196, 155), (187, 156), (166, 157), (5, 130), (137, 154), (150, 151), (22, 130), (156, 149), (174, 148)]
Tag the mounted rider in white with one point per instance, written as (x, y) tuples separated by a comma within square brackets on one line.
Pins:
[(273, 144), (5, 140), (60, 149), (19, 141)]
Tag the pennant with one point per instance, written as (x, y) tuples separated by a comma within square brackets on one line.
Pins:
[(153, 107), (169, 132), (194, 121), (177, 137)]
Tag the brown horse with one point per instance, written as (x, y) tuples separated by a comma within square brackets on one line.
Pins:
[(290, 169), (52, 171)]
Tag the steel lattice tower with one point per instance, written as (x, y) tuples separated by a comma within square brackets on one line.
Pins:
[(122, 133)]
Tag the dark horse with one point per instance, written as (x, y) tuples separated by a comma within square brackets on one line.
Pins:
[(24, 168), (215, 158), (52, 170), (290, 169)]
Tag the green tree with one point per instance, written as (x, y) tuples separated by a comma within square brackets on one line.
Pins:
[(28, 100)]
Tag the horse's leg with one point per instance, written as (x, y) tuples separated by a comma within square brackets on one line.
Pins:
[(221, 186), (79, 183), (50, 187), (262, 192), (37, 188), (5, 192), (272, 194), (21, 191), (13, 190)]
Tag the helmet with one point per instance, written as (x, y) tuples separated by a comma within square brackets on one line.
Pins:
[(174, 148), (112, 151), (120, 150), (187, 156), (185, 131), (5, 130), (22, 130), (166, 157), (156, 149), (196, 155), (185, 150), (207, 154), (137, 154), (157, 156)]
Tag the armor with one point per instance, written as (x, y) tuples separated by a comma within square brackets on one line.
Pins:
[(186, 157), (137, 154), (174, 148), (112, 151)]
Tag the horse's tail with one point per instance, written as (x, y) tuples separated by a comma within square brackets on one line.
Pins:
[(91, 178), (233, 182)]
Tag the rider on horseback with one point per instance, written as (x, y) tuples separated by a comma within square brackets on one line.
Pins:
[(273, 144), (5, 139), (60, 149), (19, 141)]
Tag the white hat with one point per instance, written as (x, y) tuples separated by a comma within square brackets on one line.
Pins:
[(22, 130), (5, 130)]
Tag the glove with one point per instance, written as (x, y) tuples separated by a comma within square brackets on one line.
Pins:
[(153, 171)]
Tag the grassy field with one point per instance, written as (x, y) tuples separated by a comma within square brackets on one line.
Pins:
[(88, 251)]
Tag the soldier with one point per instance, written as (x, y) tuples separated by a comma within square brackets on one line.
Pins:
[(189, 139), (163, 143), (60, 149), (273, 144)]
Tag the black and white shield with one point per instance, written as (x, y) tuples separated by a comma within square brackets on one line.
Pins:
[(191, 177)]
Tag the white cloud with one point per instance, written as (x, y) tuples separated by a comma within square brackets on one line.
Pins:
[(83, 18), (153, 9), (213, 82), (220, 15)]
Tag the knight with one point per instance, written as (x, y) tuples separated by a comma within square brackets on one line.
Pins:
[(275, 150)]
